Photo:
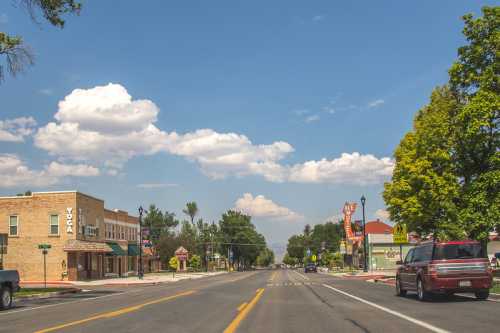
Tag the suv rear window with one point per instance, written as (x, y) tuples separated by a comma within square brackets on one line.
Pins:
[(458, 251)]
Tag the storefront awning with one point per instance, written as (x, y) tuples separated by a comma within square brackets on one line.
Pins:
[(116, 250), (133, 250), (75, 245)]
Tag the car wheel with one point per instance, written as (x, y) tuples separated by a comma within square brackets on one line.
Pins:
[(482, 294), (399, 290), (5, 298), (421, 293)]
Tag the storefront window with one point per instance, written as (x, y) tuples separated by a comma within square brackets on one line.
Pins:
[(13, 225), (54, 225)]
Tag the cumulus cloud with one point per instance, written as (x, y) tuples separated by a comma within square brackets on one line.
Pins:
[(348, 168), (15, 173), (15, 130), (382, 214), (104, 126), (260, 206), (376, 103)]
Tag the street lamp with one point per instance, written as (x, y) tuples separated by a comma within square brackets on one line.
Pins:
[(140, 271), (365, 254)]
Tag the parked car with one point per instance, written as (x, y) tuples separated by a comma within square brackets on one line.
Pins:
[(9, 284), (446, 268), (310, 268)]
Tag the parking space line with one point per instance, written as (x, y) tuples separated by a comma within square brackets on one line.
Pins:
[(394, 313)]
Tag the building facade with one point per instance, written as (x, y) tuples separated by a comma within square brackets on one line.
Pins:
[(87, 241)]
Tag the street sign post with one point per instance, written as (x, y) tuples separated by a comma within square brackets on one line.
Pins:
[(400, 236), (45, 249)]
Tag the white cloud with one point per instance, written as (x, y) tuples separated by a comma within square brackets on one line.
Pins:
[(376, 103), (312, 118), (104, 126), (15, 173), (4, 19), (382, 214), (259, 206), (318, 18), (348, 168), (15, 130), (76, 170), (156, 185)]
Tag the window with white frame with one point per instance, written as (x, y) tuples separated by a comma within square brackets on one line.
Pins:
[(54, 225), (13, 225)]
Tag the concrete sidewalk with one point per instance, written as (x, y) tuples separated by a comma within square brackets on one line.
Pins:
[(149, 279)]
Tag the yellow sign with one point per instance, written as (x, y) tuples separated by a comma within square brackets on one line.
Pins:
[(399, 234), (313, 258)]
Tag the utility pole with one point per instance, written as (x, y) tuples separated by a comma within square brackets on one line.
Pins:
[(140, 271), (365, 254)]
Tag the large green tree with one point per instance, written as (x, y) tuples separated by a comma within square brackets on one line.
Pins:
[(238, 234), (447, 175), (17, 54), (424, 188)]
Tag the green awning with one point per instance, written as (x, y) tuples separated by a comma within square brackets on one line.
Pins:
[(133, 250), (117, 250)]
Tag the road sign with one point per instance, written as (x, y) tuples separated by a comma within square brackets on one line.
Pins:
[(313, 258), (400, 234), (44, 246)]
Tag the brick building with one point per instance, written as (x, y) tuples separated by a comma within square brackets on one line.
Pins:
[(87, 240)]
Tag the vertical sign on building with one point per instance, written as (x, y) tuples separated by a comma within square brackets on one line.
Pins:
[(69, 220)]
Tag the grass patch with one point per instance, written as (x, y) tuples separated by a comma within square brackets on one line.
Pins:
[(496, 288), (37, 291)]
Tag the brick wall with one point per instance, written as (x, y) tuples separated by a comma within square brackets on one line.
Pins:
[(33, 213)]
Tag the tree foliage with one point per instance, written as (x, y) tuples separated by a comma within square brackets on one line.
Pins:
[(17, 54), (191, 210), (447, 175), (322, 238)]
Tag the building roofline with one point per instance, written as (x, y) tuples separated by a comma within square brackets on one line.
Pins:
[(50, 192)]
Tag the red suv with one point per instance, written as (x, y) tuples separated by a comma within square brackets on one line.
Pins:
[(446, 268)]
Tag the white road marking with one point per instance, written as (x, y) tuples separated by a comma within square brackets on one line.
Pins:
[(395, 313), (301, 275), (70, 302)]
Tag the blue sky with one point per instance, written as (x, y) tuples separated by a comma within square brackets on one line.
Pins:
[(285, 82)]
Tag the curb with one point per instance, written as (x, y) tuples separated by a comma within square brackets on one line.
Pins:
[(48, 295)]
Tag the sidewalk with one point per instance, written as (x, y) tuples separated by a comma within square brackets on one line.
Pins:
[(149, 279)]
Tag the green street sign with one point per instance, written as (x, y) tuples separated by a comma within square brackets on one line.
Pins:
[(44, 246)]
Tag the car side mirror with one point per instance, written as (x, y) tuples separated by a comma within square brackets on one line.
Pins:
[(399, 262)]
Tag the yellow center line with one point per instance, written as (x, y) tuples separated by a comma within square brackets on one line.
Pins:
[(244, 312), (115, 313), (242, 306)]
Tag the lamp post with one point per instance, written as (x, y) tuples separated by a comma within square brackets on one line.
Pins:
[(140, 271), (365, 254)]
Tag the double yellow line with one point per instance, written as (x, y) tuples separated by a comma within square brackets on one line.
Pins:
[(244, 309), (116, 313)]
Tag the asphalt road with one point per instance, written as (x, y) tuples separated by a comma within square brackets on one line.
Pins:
[(260, 301)]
